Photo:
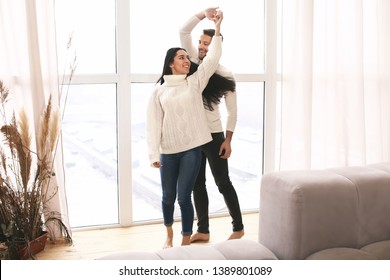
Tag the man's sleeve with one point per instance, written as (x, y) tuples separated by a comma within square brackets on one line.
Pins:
[(186, 38), (231, 108), (230, 100)]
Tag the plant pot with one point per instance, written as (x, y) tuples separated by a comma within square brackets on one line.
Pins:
[(4, 251), (33, 247)]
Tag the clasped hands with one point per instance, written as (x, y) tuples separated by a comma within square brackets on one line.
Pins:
[(213, 14)]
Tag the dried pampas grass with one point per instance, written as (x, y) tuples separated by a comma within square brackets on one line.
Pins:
[(25, 175)]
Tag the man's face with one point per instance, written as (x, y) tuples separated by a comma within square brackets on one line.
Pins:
[(203, 46)]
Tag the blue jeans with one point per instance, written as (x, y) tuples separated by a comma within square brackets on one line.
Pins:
[(178, 174)]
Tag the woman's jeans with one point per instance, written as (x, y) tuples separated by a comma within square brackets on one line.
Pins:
[(178, 174), (219, 169)]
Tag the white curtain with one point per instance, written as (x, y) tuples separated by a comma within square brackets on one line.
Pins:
[(335, 90), (28, 67)]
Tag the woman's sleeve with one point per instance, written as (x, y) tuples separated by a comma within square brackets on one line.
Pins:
[(210, 63), (153, 127)]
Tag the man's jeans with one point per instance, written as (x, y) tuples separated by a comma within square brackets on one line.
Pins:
[(220, 170)]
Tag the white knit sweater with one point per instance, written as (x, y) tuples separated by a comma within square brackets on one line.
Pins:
[(213, 117), (176, 119)]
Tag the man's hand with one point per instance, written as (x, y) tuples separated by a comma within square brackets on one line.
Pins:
[(225, 150)]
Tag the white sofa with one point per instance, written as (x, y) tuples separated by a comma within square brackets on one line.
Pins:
[(337, 213), (228, 250)]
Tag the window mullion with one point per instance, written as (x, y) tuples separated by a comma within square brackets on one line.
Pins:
[(270, 86), (123, 111)]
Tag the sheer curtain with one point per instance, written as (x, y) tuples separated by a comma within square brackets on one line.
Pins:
[(335, 65), (29, 69)]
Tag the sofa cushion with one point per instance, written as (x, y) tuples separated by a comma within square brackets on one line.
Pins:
[(373, 193), (342, 254), (384, 166), (379, 249), (192, 252), (131, 256), (242, 249)]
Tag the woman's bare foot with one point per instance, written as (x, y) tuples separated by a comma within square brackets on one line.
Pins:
[(169, 241), (186, 240), (202, 237), (237, 234)]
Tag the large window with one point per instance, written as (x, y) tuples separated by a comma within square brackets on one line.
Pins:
[(89, 137), (120, 46)]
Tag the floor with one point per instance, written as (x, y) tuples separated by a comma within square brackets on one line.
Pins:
[(91, 244)]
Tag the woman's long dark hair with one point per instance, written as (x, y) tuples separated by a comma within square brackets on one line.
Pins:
[(216, 88), (169, 57)]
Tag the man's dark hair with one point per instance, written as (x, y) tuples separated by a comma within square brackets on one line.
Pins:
[(210, 32)]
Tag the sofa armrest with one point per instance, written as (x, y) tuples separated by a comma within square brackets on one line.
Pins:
[(302, 212)]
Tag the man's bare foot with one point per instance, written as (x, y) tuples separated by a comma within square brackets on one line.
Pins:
[(169, 241), (186, 240), (237, 234), (200, 237)]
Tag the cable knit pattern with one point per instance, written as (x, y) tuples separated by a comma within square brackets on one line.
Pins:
[(176, 119)]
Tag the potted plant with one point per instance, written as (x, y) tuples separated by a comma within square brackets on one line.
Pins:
[(25, 177)]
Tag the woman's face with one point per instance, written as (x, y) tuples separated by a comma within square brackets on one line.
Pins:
[(181, 63)]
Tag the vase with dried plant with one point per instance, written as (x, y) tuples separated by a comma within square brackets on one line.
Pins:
[(25, 179)]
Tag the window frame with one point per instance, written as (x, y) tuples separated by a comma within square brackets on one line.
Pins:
[(124, 77)]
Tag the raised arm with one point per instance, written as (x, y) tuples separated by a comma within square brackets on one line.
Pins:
[(218, 17), (189, 25), (211, 61)]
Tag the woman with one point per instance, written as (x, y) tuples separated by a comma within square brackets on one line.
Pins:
[(177, 126)]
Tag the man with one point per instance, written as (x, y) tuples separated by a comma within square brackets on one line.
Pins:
[(218, 150)]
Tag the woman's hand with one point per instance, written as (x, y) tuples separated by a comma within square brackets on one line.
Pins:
[(219, 16), (156, 164), (217, 20)]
